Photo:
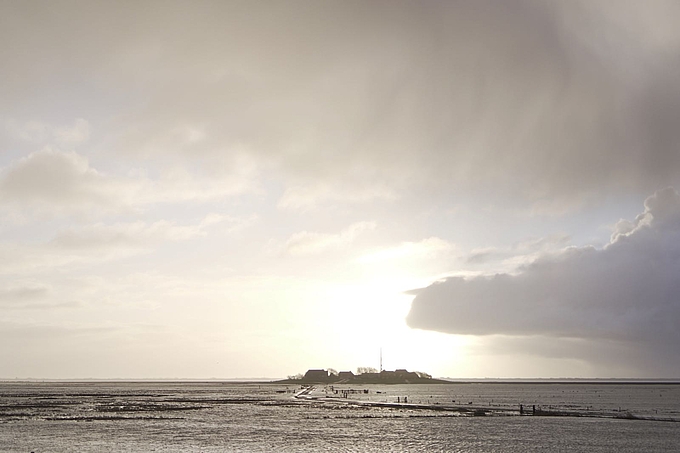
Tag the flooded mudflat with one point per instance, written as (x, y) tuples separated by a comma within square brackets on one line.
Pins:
[(219, 417)]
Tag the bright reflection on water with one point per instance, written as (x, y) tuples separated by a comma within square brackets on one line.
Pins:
[(218, 417)]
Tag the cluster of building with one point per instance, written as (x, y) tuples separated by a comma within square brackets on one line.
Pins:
[(399, 376)]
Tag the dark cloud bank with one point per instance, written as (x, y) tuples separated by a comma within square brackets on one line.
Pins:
[(582, 302)]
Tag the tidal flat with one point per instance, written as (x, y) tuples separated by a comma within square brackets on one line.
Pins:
[(259, 417)]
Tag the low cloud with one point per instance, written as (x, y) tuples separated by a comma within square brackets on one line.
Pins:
[(78, 133), (102, 242), (54, 181), (627, 292), (22, 296), (125, 235), (408, 250), (54, 177), (507, 259), (22, 293), (310, 195), (37, 132), (31, 297), (306, 243)]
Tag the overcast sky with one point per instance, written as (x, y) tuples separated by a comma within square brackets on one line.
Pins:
[(251, 189)]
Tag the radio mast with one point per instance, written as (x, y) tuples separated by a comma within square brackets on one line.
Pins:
[(381, 359)]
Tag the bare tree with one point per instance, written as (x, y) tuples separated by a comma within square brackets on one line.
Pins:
[(366, 369)]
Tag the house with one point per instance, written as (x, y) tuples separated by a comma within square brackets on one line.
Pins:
[(346, 375), (316, 376)]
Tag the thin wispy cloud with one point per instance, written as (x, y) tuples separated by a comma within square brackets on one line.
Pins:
[(305, 242)]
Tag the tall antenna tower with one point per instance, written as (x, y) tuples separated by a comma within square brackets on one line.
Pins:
[(381, 359)]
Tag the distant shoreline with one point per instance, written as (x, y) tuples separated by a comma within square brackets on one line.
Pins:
[(434, 381)]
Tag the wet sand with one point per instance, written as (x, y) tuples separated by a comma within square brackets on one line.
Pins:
[(319, 394)]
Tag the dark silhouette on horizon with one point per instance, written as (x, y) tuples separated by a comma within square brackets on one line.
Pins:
[(399, 376)]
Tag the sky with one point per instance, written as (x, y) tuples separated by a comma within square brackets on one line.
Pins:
[(239, 189)]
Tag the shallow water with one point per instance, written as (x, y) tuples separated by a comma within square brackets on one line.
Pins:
[(218, 417)]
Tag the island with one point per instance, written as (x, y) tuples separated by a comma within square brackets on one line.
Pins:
[(363, 376)]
